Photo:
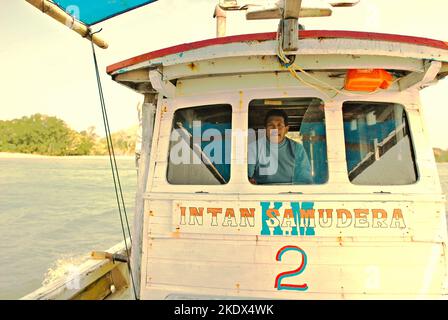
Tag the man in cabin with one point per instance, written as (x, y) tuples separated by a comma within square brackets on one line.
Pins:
[(276, 159)]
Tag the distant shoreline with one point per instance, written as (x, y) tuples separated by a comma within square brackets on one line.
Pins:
[(7, 155)]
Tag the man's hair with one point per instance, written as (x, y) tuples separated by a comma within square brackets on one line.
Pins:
[(276, 113)]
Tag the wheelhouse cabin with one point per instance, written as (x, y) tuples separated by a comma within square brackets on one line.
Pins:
[(369, 220)]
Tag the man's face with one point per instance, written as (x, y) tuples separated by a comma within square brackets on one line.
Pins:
[(276, 129)]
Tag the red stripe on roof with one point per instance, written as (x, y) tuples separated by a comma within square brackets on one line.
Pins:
[(305, 34)]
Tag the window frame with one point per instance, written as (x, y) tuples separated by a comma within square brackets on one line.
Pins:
[(157, 181), (311, 97), (228, 105), (411, 143)]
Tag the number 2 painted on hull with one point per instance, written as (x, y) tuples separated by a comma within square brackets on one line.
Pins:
[(289, 274)]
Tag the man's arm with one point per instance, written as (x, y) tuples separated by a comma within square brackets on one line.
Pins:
[(252, 161), (302, 169)]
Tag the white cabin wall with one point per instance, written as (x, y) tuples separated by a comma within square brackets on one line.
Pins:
[(427, 154), (242, 265)]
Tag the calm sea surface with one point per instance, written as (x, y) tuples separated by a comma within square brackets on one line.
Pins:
[(53, 212)]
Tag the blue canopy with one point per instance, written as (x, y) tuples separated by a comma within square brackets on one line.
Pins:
[(91, 12)]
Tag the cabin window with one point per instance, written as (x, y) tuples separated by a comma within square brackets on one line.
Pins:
[(200, 146), (378, 144), (287, 142)]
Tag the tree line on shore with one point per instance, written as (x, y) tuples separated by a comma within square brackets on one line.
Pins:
[(46, 135), (441, 155)]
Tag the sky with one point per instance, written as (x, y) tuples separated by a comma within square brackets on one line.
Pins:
[(47, 68)]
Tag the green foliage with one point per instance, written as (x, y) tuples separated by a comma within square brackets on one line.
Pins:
[(37, 134), (441, 155), (123, 142), (45, 135)]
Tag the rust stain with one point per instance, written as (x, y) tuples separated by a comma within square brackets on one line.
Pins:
[(193, 66), (263, 57), (176, 234), (238, 287), (241, 100), (340, 241), (151, 213), (164, 109)]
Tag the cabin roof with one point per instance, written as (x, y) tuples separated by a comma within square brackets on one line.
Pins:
[(260, 37)]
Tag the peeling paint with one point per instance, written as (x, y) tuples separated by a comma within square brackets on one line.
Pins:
[(121, 71), (254, 42)]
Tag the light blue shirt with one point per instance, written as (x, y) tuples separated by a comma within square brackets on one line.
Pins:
[(285, 163)]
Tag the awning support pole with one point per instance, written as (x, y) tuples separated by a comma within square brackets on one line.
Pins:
[(63, 17)]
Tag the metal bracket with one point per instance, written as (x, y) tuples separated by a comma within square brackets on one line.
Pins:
[(164, 87), (289, 25), (289, 30), (420, 80)]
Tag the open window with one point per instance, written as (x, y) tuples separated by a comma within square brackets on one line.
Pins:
[(378, 144), (287, 142), (200, 146)]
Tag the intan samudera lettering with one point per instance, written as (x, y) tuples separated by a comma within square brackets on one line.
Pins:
[(293, 218)]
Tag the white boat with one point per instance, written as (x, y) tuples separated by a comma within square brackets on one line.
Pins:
[(368, 222)]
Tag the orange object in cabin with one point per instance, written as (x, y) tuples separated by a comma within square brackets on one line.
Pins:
[(368, 80)]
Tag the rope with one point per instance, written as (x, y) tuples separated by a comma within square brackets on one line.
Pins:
[(291, 66), (113, 165)]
